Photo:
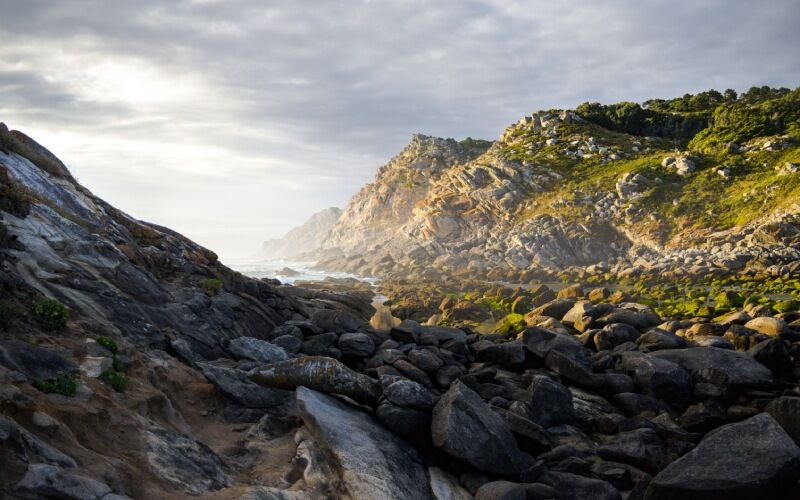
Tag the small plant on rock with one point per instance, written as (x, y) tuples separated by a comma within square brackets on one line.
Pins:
[(212, 286), (51, 314), (64, 384), (116, 379), (109, 344)]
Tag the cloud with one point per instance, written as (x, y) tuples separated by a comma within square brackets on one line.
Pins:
[(232, 121)]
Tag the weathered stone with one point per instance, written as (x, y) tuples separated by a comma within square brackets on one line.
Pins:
[(550, 402), (50, 481), (574, 486), (504, 353), (321, 374), (615, 334), (425, 360), (750, 459), (500, 490), (739, 369), (370, 461), (490, 446), (410, 394), (773, 327), (256, 350), (786, 411), (19, 438), (657, 339), (641, 448), (446, 487), (186, 464), (358, 345), (34, 362), (235, 385), (658, 377)]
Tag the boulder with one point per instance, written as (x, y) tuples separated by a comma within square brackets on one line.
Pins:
[(321, 374), (641, 448), (31, 446), (503, 353), (501, 490), (613, 335), (466, 428), (446, 487), (370, 461), (774, 327), (183, 462), (786, 411), (358, 345), (657, 339), (235, 385), (50, 481), (750, 459), (573, 486), (658, 377), (550, 402), (257, 350), (738, 369)]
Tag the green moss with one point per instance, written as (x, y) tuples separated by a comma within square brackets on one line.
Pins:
[(212, 286), (511, 324), (64, 384), (51, 314)]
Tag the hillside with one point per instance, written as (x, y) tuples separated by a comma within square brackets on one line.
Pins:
[(701, 185)]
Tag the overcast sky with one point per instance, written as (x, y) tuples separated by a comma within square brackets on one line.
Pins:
[(232, 121)]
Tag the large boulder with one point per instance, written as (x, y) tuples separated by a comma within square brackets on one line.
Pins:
[(50, 481), (257, 350), (774, 327), (550, 402), (321, 374), (658, 377), (751, 459), (235, 385), (738, 369), (467, 428), (370, 461)]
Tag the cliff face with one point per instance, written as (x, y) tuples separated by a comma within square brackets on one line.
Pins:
[(559, 191), (304, 239), (374, 214)]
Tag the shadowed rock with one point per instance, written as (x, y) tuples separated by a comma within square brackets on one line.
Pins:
[(321, 374), (370, 461), (750, 459)]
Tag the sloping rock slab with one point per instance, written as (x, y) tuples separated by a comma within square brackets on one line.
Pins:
[(740, 369), (371, 461), (467, 428), (35, 362), (750, 459), (184, 463)]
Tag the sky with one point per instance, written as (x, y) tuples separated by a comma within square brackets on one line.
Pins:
[(233, 121)]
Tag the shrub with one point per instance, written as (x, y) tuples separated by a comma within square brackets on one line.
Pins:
[(51, 314), (64, 384), (116, 379), (212, 286), (109, 344)]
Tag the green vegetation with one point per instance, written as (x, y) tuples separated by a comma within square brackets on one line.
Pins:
[(511, 324), (51, 314), (116, 379), (109, 344), (212, 286), (64, 384)]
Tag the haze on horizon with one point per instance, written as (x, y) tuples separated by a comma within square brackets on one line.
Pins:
[(232, 122)]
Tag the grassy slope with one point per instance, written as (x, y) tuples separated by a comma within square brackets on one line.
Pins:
[(703, 200)]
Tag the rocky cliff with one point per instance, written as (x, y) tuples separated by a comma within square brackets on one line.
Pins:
[(304, 239), (684, 186)]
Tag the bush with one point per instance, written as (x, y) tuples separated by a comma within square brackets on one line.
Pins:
[(51, 314), (64, 384), (212, 286), (109, 344), (117, 380)]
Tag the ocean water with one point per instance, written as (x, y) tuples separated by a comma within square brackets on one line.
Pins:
[(273, 269)]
